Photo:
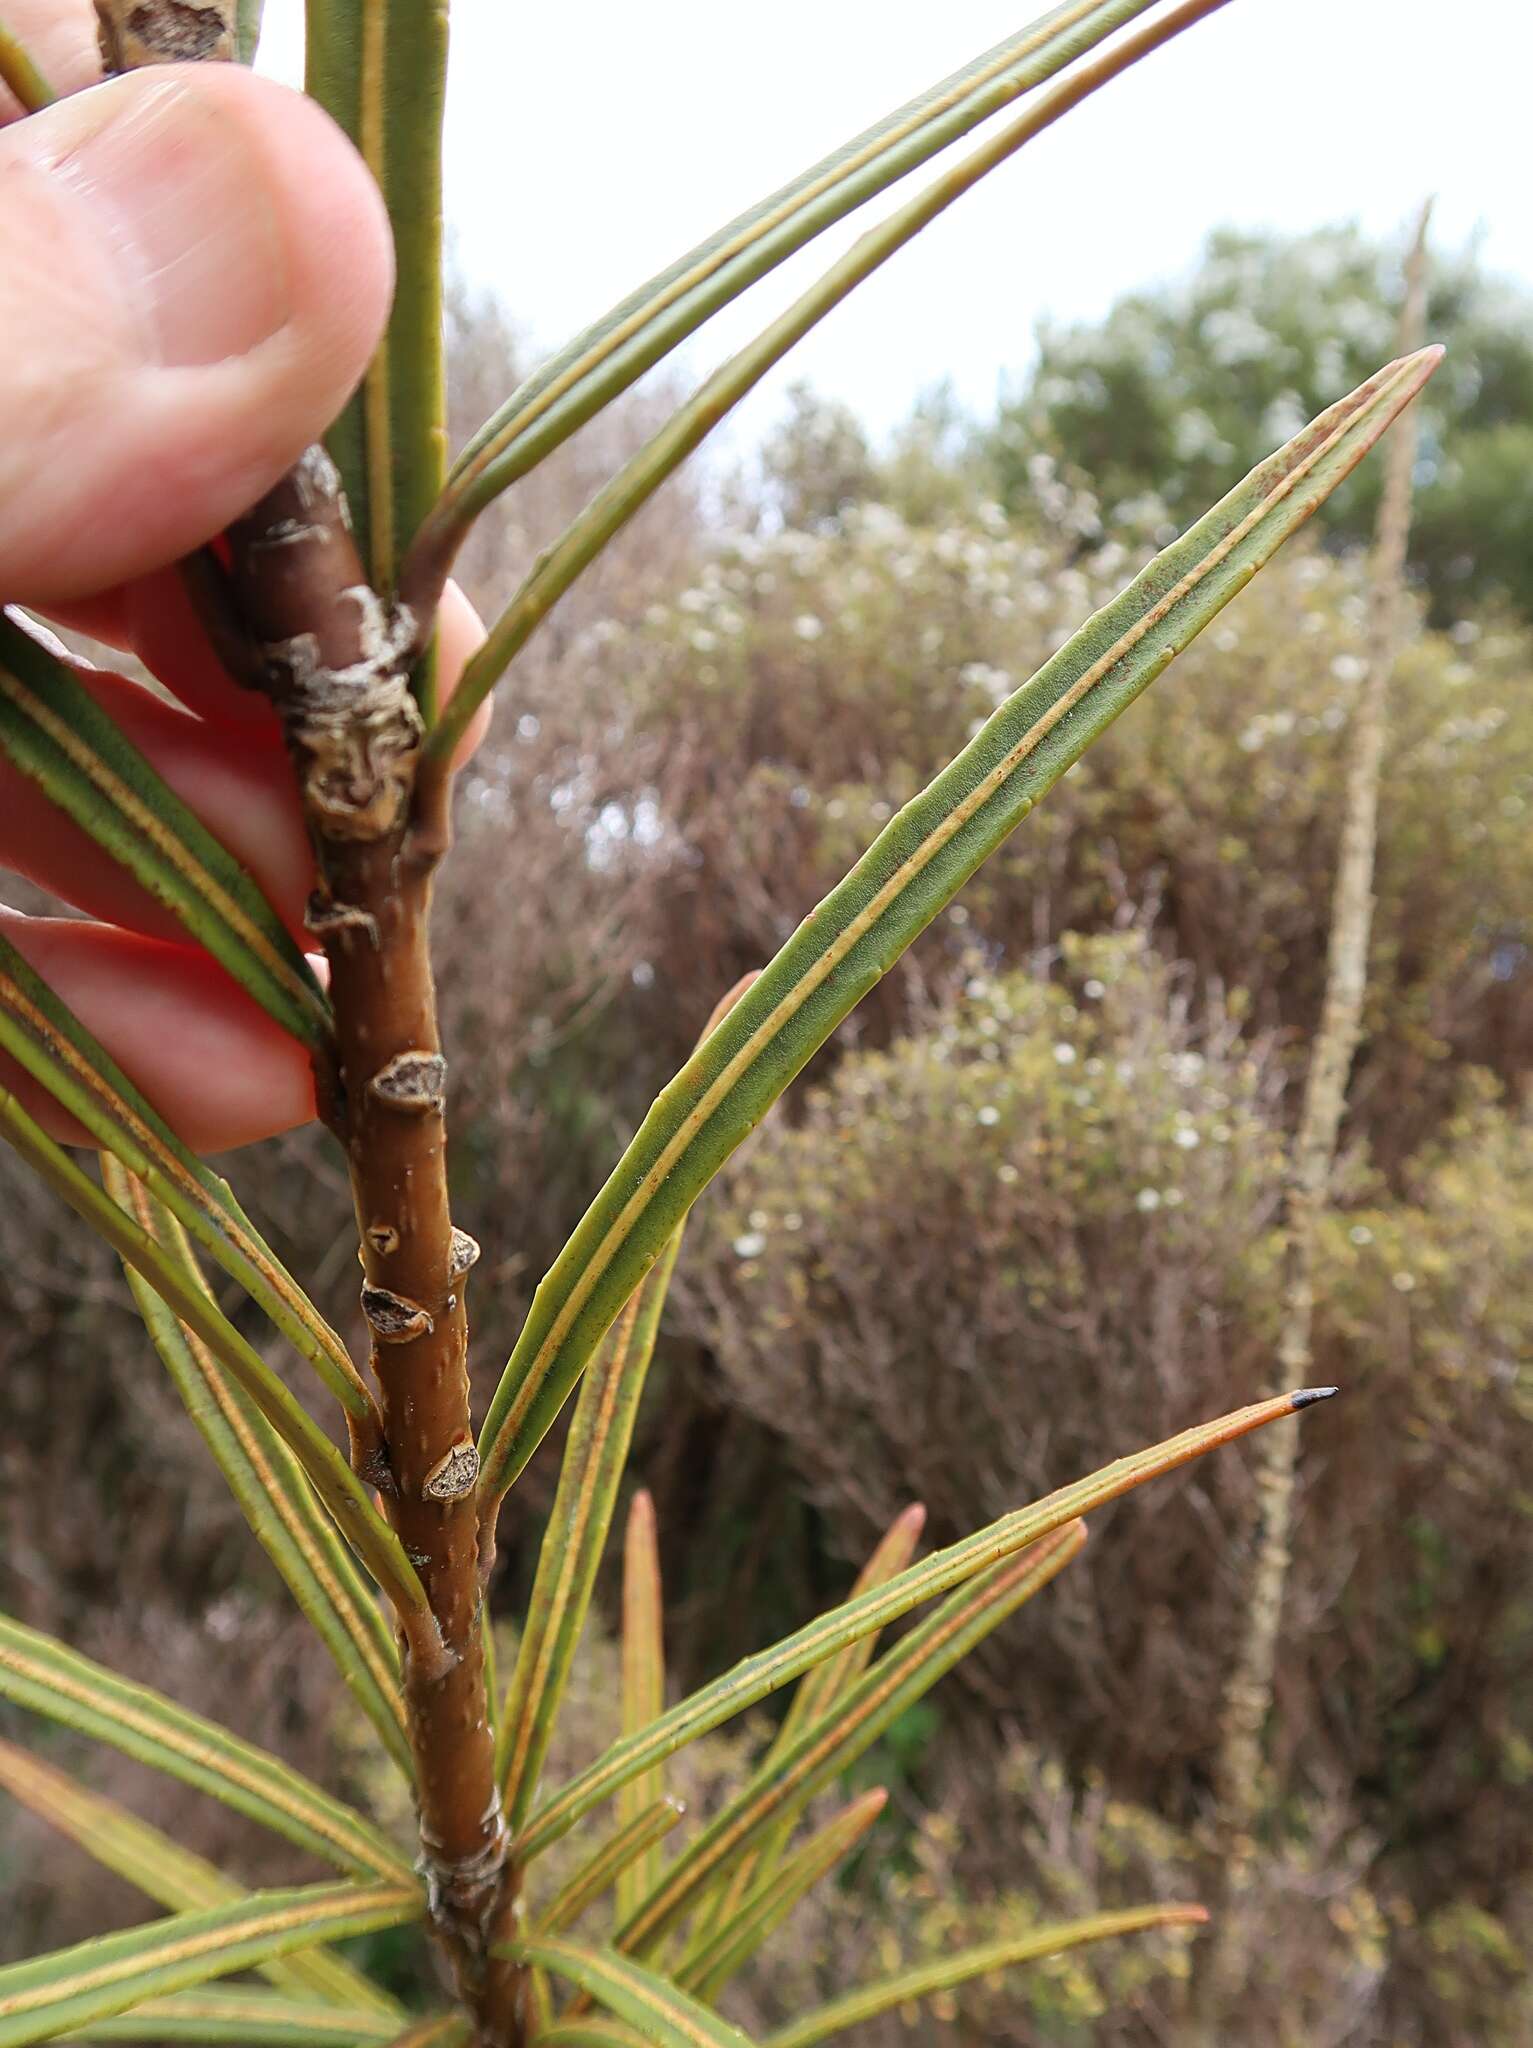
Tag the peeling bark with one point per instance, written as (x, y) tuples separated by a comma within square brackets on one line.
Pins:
[(138, 32), (294, 616)]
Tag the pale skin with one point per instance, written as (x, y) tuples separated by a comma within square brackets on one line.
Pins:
[(194, 270)]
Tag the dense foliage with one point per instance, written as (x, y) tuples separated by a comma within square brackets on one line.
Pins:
[(1183, 382)]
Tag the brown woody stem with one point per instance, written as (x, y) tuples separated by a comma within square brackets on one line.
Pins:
[(296, 617), (335, 658)]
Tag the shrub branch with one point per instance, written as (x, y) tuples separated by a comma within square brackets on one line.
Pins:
[(1240, 1768)]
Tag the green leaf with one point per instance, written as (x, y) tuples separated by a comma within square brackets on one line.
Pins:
[(273, 1494), (53, 731), (911, 871), (594, 1459), (590, 371), (612, 508), (255, 2017), (576, 1536), (343, 1494), (607, 1862), (379, 67), (763, 1910), (75, 1986), (820, 1688), (42, 1675), (755, 1677), (817, 1690), (851, 2011), (832, 1744), (655, 2009), (247, 29), (590, 2031), (448, 2031), (44, 1036), (20, 72), (643, 1655), (167, 1873)]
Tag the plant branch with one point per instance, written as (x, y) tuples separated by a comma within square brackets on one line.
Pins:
[(335, 658), (1240, 1789)]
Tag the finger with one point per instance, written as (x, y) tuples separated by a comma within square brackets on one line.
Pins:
[(460, 635), (213, 1064), (60, 38), (238, 782), (194, 268)]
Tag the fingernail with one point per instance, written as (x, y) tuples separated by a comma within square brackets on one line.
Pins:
[(178, 200)]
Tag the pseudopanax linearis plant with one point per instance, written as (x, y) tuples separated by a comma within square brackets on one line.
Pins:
[(325, 598)]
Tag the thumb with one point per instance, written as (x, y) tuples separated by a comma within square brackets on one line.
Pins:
[(194, 269)]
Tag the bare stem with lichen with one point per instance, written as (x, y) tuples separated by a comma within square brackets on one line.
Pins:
[(1240, 1776), (295, 616), (335, 657)]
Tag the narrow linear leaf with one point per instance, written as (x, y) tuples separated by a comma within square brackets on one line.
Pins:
[(53, 731), (247, 29), (643, 1661), (607, 1862), (379, 67), (343, 1494), (447, 2032), (95, 1980), (242, 2016), (853, 1724), (269, 1484), (118, 1840), (763, 1911), (914, 867), (576, 1536), (44, 1036), (589, 1478), (590, 2031), (612, 508), (851, 2011), (654, 2008), (20, 71), (606, 358), (755, 1677), (817, 1690), (167, 1873), (42, 1675), (820, 1688), (540, 1999), (491, 1682)]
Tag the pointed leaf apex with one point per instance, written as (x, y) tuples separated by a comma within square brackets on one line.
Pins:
[(1421, 364), (1306, 1397), (913, 1520)]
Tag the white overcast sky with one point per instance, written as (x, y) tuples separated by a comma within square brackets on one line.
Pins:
[(590, 142)]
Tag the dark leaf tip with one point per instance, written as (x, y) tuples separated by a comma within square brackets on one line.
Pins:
[(1306, 1397)]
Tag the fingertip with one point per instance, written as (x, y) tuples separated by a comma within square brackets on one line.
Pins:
[(196, 266), (460, 635), (219, 1071)]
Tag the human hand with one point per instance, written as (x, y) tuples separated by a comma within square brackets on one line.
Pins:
[(195, 268)]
